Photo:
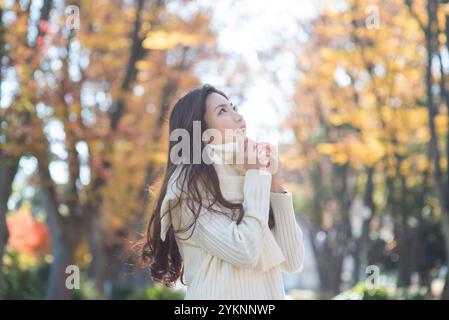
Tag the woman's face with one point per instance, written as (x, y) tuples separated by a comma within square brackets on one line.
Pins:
[(221, 115)]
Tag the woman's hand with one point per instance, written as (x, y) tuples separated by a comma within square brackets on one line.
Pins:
[(262, 155), (254, 157), (274, 166)]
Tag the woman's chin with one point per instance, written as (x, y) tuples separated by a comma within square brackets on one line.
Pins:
[(241, 131)]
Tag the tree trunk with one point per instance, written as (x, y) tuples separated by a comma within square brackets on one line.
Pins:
[(98, 266), (7, 173), (361, 250), (405, 240), (331, 253), (440, 186), (66, 233), (445, 293), (63, 252)]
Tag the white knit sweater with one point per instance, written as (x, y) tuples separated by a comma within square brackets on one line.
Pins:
[(226, 260)]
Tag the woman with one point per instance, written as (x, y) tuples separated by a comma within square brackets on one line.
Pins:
[(227, 230)]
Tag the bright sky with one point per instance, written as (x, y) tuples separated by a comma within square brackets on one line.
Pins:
[(249, 27)]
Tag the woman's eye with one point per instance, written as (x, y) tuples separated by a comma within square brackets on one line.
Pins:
[(221, 110), (235, 108)]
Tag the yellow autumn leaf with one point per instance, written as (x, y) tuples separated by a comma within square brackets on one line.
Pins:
[(421, 162), (441, 123), (339, 158), (164, 40), (443, 163), (144, 65), (326, 148), (337, 119)]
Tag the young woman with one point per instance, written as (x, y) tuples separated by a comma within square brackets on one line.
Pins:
[(226, 229)]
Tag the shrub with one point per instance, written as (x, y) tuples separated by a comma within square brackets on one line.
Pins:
[(29, 282), (158, 292)]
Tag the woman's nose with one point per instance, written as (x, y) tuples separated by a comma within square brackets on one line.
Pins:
[(239, 117)]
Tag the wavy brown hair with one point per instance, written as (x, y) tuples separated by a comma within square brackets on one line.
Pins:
[(163, 257)]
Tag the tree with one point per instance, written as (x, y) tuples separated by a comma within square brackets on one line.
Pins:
[(361, 124), (436, 41), (110, 94)]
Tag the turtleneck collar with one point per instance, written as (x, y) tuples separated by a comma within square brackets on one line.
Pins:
[(231, 175), (226, 157)]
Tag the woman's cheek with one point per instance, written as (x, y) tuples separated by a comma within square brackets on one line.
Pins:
[(230, 123)]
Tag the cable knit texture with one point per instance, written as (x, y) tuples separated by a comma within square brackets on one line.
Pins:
[(226, 260)]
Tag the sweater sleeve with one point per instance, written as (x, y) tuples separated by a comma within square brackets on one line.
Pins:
[(287, 232), (239, 244)]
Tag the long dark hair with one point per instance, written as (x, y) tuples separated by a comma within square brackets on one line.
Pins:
[(163, 257)]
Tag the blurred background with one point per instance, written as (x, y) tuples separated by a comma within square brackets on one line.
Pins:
[(354, 93)]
